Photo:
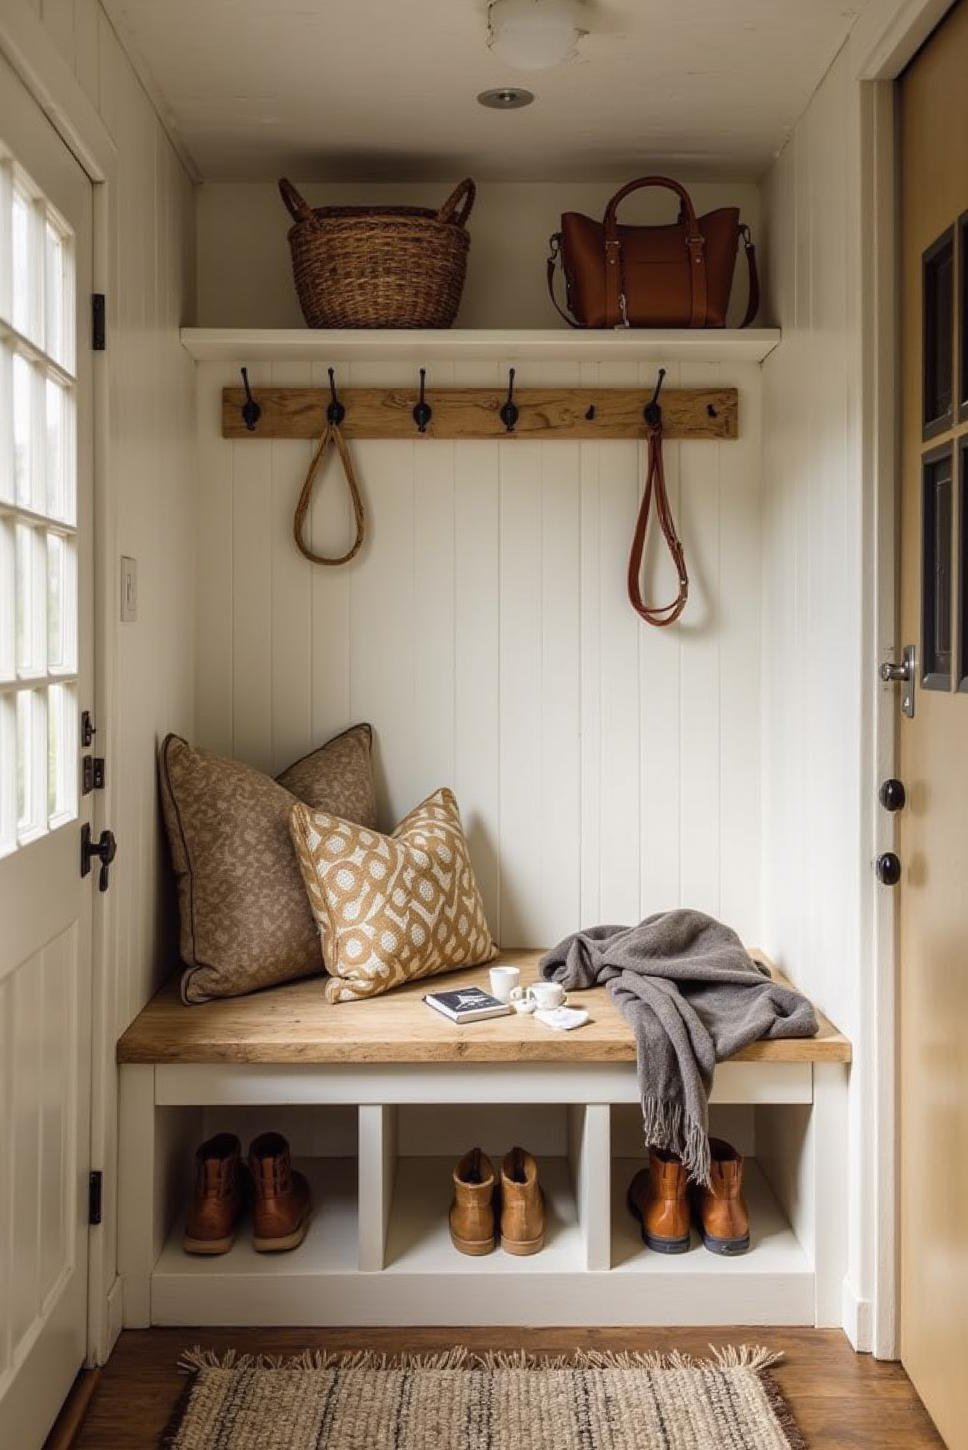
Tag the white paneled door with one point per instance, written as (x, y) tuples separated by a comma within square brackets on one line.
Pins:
[(45, 681)]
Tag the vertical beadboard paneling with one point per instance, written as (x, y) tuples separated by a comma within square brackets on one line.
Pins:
[(477, 698), (215, 514), (660, 826), (699, 666), (604, 769), (290, 576)]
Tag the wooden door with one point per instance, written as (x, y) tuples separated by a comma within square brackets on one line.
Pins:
[(933, 748), (45, 682)]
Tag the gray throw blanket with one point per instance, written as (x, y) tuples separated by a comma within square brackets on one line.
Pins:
[(692, 996)]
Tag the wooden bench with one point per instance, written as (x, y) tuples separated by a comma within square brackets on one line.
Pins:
[(378, 1250)]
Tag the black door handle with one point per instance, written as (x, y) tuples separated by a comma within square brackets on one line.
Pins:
[(892, 795), (888, 868), (105, 850)]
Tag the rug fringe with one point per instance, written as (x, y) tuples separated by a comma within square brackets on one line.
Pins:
[(755, 1357)]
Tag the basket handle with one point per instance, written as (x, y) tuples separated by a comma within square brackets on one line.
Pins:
[(461, 197), (299, 209)]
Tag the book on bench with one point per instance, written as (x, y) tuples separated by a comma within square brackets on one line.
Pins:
[(467, 1004)]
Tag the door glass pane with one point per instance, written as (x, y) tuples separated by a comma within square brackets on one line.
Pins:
[(936, 541), (938, 333), (38, 493), (23, 450), (61, 737)]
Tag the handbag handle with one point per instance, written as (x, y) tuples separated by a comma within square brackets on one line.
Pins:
[(331, 434), (616, 312), (655, 486), (460, 202), (298, 208)]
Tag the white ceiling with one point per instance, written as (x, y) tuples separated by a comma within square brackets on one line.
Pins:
[(386, 89)]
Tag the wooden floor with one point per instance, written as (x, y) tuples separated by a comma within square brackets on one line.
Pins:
[(840, 1399)]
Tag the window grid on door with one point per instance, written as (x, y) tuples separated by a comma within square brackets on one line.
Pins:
[(38, 514)]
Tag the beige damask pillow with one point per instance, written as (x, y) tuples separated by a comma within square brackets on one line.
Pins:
[(245, 920), (391, 908)]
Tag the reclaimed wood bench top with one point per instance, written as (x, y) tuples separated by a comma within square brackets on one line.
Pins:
[(293, 1024)]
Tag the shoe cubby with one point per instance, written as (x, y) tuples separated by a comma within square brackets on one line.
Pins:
[(379, 1143)]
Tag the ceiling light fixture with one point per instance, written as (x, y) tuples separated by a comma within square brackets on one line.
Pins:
[(506, 98), (533, 34)]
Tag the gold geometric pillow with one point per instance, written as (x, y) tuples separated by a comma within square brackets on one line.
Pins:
[(394, 908)]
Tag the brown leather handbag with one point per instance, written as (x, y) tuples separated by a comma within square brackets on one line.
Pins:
[(671, 276)]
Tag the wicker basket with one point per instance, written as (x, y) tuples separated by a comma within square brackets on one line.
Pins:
[(391, 266)]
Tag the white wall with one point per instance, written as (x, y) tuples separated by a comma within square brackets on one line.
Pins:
[(245, 277), (819, 598), (150, 457), (606, 769)]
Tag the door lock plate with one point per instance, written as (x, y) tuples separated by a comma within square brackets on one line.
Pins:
[(905, 675)]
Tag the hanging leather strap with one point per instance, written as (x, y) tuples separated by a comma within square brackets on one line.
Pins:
[(332, 435), (655, 484), (553, 255)]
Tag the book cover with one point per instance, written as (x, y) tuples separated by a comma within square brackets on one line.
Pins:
[(467, 1004)]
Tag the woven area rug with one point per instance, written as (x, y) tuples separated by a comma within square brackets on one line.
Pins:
[(459, 1401)]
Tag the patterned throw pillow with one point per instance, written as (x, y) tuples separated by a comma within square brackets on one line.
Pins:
[(391, 908), (245, 921)]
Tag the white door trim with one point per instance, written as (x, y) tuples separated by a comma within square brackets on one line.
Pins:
[(28, 47), (887, 54)]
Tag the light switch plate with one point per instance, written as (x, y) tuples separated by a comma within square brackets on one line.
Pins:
[(129, 589)]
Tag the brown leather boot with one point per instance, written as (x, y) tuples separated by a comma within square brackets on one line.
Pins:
[(522, 1205), (721, 1213), (281, 1201), (659, 1201), (218, 1196), (472, 1210)]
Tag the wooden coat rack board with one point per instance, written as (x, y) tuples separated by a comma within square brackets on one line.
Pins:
[(474, 413)]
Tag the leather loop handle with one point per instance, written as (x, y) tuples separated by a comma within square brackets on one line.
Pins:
[(609, 221), (655, 486), (297, 206), (331, 434), (616, 311), (457, 207)]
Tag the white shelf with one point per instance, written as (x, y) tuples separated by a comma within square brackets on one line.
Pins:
[(296, 344), (426, 1281), (774, 1248), (419, 1238)]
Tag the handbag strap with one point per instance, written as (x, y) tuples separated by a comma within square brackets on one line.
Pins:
[(553, 255), (332, 435), (616, 312), (655, 485), (753, 299)]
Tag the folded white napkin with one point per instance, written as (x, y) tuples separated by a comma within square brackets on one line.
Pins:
[(563, 1018)]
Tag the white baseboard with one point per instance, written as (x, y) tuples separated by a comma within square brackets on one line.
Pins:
[(857, 1319)]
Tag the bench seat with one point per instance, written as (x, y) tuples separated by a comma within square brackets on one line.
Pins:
[(293, 1024)]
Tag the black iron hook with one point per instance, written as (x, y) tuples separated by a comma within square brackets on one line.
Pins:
[(652, 413), (509, 413), (422, 412), (335, 413), (251, 412)]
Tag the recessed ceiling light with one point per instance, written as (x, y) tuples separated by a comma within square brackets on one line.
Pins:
[(506, 98)]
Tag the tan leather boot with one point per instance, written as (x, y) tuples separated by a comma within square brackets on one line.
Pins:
[(722, 1216), (472, 1210), (522, 1204), (658, 1199), (218, 1196), (281, 1202)]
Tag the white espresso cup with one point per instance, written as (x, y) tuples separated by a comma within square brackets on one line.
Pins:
[(543, 996), (504, 980)]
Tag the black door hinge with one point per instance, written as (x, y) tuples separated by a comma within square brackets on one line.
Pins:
[(88, 728), (95, 1185), (98, 323)]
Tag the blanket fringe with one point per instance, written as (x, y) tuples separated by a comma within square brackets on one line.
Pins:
[(755, 1357), (665, 1125)]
